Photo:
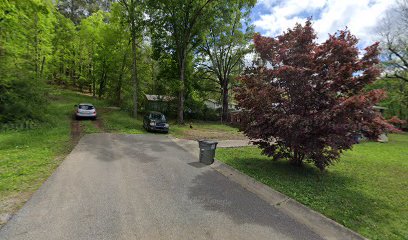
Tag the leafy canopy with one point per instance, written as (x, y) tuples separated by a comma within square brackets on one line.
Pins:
[(305, 101)]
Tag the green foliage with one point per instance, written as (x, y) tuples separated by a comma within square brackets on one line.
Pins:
[(21, 100), (221, 55), (88, 46), (366, 191), (183, 26), (76, 10), (397, 97), (26, 33)]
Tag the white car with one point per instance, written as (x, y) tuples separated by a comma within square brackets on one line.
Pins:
[(85, 110)]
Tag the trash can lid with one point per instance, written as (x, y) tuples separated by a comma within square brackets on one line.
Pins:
[(207, 141)]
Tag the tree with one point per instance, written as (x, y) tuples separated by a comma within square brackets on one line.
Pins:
[(26, 32), (63, 49), (76, 10), (134, 13), (183, 23), (226, 44), (394, 44), (392, 29), (397, 96), (305, 101)]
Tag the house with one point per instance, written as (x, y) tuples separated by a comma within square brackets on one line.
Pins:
[(380, 109), (159, 103), (383, 137), (213, 104)]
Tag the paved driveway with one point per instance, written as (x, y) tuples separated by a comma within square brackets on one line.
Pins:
[(144, 187)]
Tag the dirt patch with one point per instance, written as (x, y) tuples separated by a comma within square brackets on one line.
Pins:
[(11, 204), (76, 131), (99, 124)]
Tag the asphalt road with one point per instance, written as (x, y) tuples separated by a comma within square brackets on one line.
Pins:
[(144, 187)]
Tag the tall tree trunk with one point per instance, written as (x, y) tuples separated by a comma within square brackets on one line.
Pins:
[(297, 159), (134, 70), (118, 90), (90, 73), (224, 115), (102, 83), (180, 112), (73, 73), (36, 47), (93, 87)]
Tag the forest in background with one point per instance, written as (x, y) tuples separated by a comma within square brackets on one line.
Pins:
[(120, 50)]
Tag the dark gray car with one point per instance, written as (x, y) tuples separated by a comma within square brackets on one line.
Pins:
[(155, 121)]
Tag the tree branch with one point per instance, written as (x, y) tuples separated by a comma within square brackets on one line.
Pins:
[(396, 75)]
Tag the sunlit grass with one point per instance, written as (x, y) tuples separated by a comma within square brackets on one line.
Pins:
[(367, 190), (204, 130)]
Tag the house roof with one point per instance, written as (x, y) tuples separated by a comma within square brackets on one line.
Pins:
[(379, 108), (211, 100), (159, 98), (217, 102)]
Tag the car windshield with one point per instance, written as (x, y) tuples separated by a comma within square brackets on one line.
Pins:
[(86, 107), (157, 116)]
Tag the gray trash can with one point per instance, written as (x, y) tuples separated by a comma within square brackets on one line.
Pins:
[(207, 151)]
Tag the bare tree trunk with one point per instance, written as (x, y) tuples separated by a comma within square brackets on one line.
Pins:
[(93, 87), (224, 115), (131, 9), (118, 89), (134, 71), (36, 46), (180, 112), (102, 82), (182, 60), (297, 159), (73, 72)]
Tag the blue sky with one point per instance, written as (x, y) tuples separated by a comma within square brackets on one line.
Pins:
[(272, 17)]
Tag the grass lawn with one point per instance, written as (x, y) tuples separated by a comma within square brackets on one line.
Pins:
[(205, 130), (121, 122), (366, 191)]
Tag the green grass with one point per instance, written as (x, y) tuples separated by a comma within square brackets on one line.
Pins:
[(367, 190), (121, 122), (201, 130), (89, 127)]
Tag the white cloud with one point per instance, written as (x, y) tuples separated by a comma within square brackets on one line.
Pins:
[(360, 16)]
